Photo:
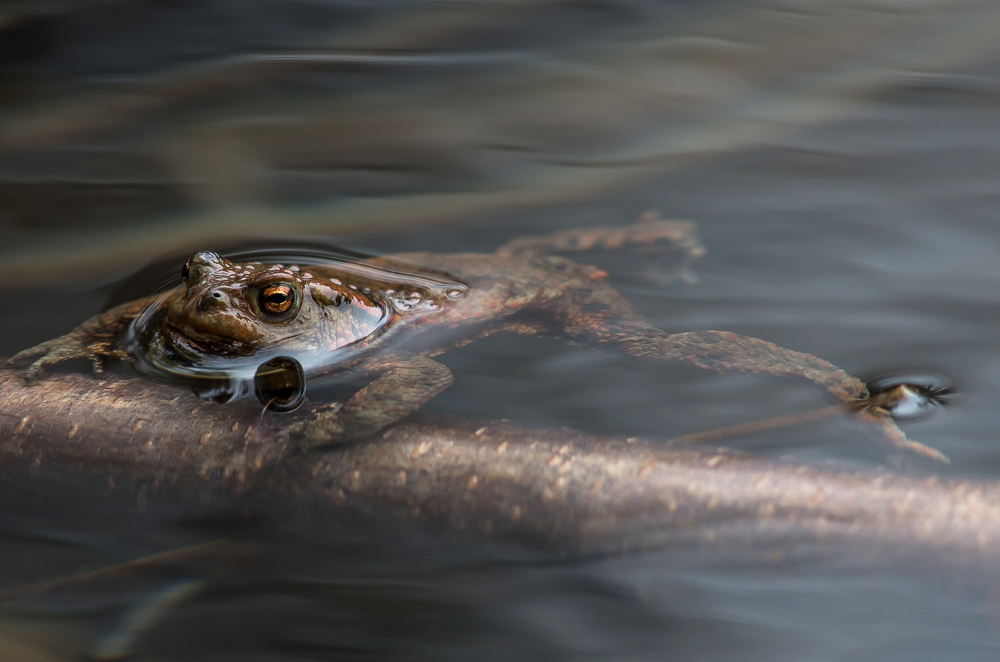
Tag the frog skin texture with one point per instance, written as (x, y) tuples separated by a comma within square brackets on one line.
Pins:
[(526, 287)]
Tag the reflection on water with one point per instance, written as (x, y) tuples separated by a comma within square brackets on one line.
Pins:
[(841, 159)]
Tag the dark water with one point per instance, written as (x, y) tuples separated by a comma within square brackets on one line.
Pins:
[(842, 160)]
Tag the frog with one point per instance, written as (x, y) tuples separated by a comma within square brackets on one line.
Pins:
[(384, 321)]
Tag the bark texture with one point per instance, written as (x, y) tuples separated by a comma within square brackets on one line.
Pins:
[(158, 447)]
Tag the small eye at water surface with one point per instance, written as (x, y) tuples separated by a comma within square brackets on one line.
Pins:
[(186, 271), (277, 299)]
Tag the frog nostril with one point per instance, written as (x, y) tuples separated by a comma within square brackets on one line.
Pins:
[(213, 300)]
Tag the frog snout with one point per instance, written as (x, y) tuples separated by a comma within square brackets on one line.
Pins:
[(213, 300), (212, 315)]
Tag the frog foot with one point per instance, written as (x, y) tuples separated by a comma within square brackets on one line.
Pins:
[(407, 382), (321, 429), (887, 431), (70, 347)]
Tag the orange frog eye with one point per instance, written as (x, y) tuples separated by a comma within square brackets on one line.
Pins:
[(277, 299)]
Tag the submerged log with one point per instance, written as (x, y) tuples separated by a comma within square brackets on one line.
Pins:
[(156, 447)]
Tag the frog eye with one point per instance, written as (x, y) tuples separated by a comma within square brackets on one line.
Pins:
[(186, 271), (277, 299)]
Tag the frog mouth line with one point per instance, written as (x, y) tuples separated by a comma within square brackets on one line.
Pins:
[(193, 346)]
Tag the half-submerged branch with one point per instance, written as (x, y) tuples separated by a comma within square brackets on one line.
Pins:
[(557, 490)]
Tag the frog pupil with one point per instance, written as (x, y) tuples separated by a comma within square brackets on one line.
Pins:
[(277, 299), (186, 271)]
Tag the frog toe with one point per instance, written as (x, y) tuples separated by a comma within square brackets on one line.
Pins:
[(323, 428), (327, 433), (896, 438), (99, 360), (119, 354), (34, 372), (28, 356), (54, 355), (37, 369)]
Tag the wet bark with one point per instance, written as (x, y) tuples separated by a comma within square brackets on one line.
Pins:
[(156, 447)]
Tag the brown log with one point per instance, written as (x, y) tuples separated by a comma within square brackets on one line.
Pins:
[(155, 446)]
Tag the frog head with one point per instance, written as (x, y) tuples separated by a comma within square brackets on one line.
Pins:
[(231, 308)]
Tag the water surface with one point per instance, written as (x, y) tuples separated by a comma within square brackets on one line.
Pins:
[(842, 160)]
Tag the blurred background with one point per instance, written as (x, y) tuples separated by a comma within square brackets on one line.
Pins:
[(842, 160)]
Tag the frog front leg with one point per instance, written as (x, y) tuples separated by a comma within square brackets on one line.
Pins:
[(404, 384), (96, 341)]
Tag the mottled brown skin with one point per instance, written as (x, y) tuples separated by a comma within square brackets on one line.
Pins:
[(525, 287)]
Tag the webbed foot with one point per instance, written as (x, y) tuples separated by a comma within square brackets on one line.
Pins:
[(876, 410), (70, 347), (323, 428)]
